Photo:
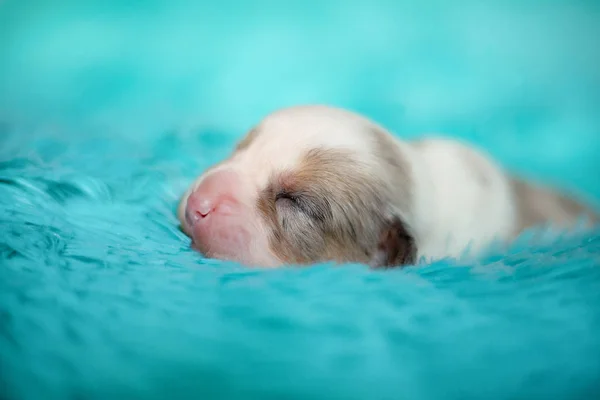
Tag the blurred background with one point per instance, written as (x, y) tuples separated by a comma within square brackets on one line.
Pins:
[(109, 108), (521, 78)]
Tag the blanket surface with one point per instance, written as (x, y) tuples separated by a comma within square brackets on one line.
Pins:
[(108, 110)]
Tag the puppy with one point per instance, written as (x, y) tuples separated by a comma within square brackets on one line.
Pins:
[(314, 184)]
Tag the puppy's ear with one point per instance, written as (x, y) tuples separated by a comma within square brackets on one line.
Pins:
[(396, 247)]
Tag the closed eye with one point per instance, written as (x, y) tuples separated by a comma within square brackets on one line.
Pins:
[(303, 203), (285, 195), (286, 199)]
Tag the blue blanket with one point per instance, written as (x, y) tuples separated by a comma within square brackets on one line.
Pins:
[(109, 109)]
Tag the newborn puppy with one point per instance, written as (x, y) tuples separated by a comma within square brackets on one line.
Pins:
[(314, 184)]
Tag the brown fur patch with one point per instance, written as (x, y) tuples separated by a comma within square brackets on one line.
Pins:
[(329, 209), (538, 205), (396, 247)]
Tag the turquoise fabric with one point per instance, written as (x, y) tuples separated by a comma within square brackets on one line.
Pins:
[(108, 109)]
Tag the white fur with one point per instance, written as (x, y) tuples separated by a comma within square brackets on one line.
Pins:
[(463, 214)]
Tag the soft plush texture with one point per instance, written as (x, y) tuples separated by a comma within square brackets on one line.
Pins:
[(108, 109)]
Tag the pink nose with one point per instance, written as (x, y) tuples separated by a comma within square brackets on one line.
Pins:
[(217, 193)]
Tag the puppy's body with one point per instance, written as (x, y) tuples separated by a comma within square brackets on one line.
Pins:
[(471, 199), (316, 183)]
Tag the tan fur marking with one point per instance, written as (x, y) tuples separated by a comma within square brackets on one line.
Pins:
[(538, 205), (338, 215)]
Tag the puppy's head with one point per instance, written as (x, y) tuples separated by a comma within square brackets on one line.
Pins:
[(307, 184)]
